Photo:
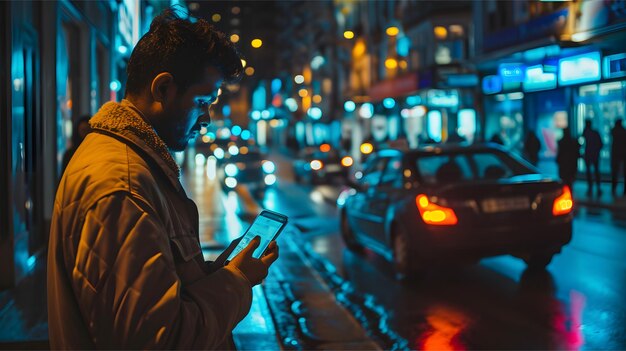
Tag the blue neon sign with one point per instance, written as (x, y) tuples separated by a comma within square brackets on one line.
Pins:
[(580, 68), (615, 66), (492, 84), (511, 72), (537, 79)]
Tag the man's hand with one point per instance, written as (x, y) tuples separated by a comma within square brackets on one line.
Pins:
[(255, 269)]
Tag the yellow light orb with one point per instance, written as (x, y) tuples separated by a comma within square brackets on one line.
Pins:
[(317, 99), (440, 32), (243, 62), (256, 43), (367, 148), (403, 64), (303, 92), (392, 31), (234, 38), (391, 63), (216, 17), (348, 34), (249, 70)]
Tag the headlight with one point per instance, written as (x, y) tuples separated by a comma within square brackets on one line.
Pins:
[(231, 170), (218, 153), (230, 182), (316, 165), (270, 179), (268, 167)]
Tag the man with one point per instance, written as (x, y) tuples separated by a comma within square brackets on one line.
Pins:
[(593, 145), (125, 269), (567, 154), (618, 155)]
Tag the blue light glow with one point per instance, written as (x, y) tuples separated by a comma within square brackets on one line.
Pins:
[(276, 85), (115, 85), (315, 112), (414, 100), (403, 46), (536, 79), (389, 102), (349, 106), (245, 134), (268, 167), (580, 68), (226, 110), (434, 125), (614, 66), (291, 104), (231, 170), (511, 72), (235, 130), (492, 84)]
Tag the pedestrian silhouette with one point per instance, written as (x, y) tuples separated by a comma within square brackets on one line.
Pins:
[(618, 154), (593, 145), (567, 154), (80, 130), (532, 145)]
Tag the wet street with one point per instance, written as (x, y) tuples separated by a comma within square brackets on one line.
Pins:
[(576, 304)]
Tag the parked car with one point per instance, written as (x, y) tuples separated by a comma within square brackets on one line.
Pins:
[(251, 169), (452, 204), (323, 165)]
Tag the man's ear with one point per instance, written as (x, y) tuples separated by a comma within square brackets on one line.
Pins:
[(162, 87)]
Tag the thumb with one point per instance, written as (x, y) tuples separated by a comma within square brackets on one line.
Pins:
[(254, 243)]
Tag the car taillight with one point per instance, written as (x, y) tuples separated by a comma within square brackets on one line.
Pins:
[(564, 203), (434, 214)]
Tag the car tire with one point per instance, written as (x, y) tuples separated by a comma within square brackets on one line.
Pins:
[(347, 234), (403, 265), (538, 261)]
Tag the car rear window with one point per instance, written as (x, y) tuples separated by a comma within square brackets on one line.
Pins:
[(459, 167)]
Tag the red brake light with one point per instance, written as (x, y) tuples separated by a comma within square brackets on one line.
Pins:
[(434, 214), (564, 203)]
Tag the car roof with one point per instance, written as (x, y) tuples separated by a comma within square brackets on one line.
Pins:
[(443, 148)]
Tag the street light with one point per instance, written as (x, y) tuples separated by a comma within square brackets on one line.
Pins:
[(348, 34), (256, 43)]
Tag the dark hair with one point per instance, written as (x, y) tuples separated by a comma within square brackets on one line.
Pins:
[(76, 139), (182, 48)]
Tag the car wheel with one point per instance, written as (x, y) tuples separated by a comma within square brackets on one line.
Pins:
[(402, 263), (348, 235), (538, 261)]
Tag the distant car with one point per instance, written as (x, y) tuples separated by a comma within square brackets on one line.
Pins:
[(437, 205), (323, 165), (251, 169)]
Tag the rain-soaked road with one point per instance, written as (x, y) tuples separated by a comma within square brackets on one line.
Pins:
[(578, 303)]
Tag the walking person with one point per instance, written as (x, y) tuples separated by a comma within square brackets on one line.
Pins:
[(125, 267), (593, 145), (532, 145), (618, 155), (567, 154)]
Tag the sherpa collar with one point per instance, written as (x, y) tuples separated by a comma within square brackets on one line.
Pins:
[(125, 119)]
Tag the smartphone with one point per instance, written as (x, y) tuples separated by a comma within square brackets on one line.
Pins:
[(267, 225)]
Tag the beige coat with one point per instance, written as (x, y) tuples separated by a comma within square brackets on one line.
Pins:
[(125, 269)]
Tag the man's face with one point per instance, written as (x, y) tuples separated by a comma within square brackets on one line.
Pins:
[(190, 111)]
